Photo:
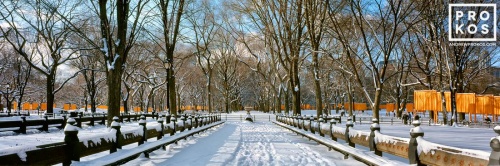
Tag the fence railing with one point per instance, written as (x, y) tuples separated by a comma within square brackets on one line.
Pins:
[(75, 147), (402, 147), (20, 126), (241, 117), (120, 158)]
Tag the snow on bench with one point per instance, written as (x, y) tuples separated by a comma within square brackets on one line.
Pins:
[(122, 155)]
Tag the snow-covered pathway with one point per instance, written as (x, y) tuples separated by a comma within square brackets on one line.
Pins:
[(244, 143)]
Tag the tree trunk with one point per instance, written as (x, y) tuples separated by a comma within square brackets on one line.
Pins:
[(376, 108), (125, 105), (349, 97), (178, 100), (296, 87), (453, 107), (117, 56), (171, 87), (443, 97), (152, 101), (287, 102), (317, 88), (226, 105), (443, 107), (405, 101), (85, 102), (398, 100), (209, 90), (8, 102), (405, 93), (337, 100), (19, 101), (327, 103), (93, 104), (268, 104), (93, 92), (278, 101), (170, 31), (114, 88), (50, 92), (161, 104)]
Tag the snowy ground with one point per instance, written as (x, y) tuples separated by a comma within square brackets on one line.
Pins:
[(245, 143), (262, 143)]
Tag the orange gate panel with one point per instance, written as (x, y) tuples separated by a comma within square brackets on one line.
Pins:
[(466, 102)]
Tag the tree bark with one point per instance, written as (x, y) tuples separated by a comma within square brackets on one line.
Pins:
[(317, 87), (114, 74), (50, 92), (296, 87)]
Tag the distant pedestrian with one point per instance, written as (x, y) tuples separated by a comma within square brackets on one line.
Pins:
[(249, 117), (487, 120), (405, 118)]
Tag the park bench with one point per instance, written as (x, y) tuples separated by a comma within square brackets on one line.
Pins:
[(74, 149), (20, 126)]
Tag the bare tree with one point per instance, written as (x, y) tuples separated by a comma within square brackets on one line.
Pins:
[(22, 77), (227, 70), (282, 23), (260, 56), (41, 38), (426, 63), (93, 74), (14, 78), (444, 66), (397, 78), (315, 18), (120, 27), (380, 29), (205, 29), (130, 85), (463, 64), (171, 14), (151, 76)]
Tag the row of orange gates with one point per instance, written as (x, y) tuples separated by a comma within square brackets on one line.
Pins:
[(430, 100), (468, 103), (32, 106), (302, 107), (43, 106)]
